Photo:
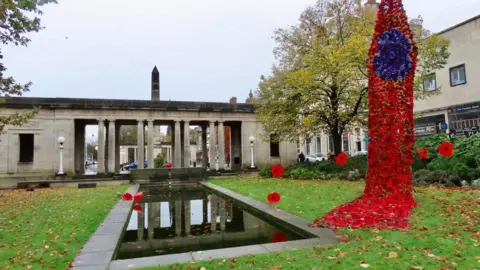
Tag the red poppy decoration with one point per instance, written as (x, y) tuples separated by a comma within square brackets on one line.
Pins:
[(422, 153), (273, 198), (138, 197), (277, 170), (169, 165), (341, 158), (388, 195), (279, 237), (127, 197), (446, 149), (137, 207)]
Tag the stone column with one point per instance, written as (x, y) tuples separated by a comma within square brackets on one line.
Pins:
[(140, 145), (205, 211), (211, 150), (150, 138), (111, 148), (140, 223), (222, 212), (221, 146), (186, 144), (157, 214), (101, 147), (188, 217), (213, 212), (151, 220), (178, 145), (117, 148), (204, 146), (178, 218)]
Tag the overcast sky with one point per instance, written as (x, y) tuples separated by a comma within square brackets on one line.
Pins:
[(206, 50)]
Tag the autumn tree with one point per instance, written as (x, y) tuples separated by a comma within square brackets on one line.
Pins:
[(17, 19), (320, 80)]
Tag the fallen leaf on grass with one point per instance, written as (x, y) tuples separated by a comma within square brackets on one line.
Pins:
[(392, 255), (365, 265)]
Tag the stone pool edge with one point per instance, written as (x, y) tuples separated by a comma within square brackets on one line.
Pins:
[(318, 237), (100, 248)]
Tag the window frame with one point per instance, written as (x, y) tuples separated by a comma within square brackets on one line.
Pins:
[(450, 75), (273, 145), (429, 76), (21, 157)]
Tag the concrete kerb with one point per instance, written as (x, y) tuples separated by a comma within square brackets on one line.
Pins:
[(317, 237), (100, 248)]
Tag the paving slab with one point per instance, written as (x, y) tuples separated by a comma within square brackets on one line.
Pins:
[(92, 267), (227, 253), (110, 228), (151, 261), (99, 249), (101, 243), (93, 258)]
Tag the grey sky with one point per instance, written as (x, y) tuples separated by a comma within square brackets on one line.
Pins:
[(206, 50)]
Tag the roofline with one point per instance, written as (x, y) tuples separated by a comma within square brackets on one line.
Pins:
[(458, 25)]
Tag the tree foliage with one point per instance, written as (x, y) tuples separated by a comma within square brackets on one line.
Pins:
[(17, 19), (320, 80)]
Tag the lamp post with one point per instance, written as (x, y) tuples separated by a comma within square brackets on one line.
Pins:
[(252, 157), (60, 141)]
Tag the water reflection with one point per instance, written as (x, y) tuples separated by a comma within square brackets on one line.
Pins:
[(179, 220)]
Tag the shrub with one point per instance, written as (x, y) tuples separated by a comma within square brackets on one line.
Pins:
[(265, 172), (302, 174), (441, 178), (159, 160)]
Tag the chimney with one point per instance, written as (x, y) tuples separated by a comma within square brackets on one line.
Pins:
[(233, 100), (155, 84), (372, 4)]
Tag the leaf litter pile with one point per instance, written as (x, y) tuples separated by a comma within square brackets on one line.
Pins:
[(443, 232), (46, 228)]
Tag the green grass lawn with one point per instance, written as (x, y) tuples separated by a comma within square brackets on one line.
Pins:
[(444, 230), (46, 228)]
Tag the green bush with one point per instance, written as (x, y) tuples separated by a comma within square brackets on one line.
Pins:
[(159, 160), (265, 172), (438, 178), (302, 174)]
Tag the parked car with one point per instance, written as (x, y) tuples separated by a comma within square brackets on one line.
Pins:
[(360, 153), (134, 165), (316, 157)]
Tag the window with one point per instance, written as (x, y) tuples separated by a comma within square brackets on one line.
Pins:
[(458, 75), (319, 144), (345, 143), (274, 146), (430, 83), (26, 147), (331, 147)]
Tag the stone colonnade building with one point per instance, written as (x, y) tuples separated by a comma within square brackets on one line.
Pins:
[(32, 149)]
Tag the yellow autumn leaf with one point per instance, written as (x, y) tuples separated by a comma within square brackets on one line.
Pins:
[(392, 255)]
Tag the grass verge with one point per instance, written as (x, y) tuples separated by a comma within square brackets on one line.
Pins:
[(444, 230), (46, 228)]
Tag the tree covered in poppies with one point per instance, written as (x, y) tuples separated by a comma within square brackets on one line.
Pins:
[(320, 80)]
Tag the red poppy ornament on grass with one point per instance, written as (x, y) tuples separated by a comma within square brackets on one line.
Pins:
[(279, 237), (391, 64), (273, 198), (138, 197), (446, 149), (127, 197), (277, 170), (341, 158)]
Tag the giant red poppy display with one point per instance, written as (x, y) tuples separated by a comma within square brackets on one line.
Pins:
[(127, 197), (341, 158), (277, 170), (138, 197), (387, 198)]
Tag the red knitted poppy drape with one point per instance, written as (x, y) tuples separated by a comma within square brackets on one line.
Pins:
[(387, 198)]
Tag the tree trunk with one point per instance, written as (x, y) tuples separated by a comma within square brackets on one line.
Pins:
[(337, 141)]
